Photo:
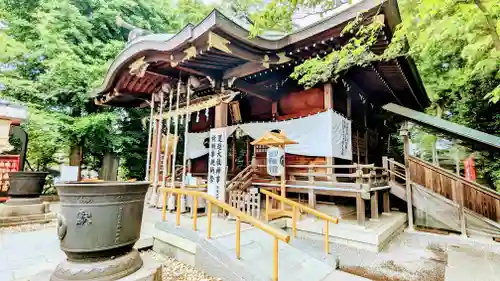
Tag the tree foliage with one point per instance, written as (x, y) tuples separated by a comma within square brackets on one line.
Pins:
[(455, 44), (54, 52)]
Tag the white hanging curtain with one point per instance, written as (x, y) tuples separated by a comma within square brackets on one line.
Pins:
[(195, 144), (326, 134)]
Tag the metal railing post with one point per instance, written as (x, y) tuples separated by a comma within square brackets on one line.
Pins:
[(164, 207), (327, 234), (178, 210), (238, 230), (294, 221), (275, 263), (209, 219), (267, 208), (195, 211)]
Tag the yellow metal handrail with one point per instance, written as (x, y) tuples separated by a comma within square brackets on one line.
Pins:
[(300, 207), (276, 233)]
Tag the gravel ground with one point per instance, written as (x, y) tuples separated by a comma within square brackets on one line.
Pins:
[(174, 270), (27, 227), (408, 257)]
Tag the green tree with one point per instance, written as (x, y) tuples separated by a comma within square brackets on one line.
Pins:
[(57, 51), (455, 44)]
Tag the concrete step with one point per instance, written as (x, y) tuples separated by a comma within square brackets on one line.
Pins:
[(217, 256), (257, 253)]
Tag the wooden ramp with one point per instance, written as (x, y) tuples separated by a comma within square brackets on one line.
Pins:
[(456, 203)]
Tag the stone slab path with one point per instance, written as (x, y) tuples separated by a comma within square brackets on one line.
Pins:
[(24, 254)]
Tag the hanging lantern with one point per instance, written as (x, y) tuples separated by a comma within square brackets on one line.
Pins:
[(197, 116)]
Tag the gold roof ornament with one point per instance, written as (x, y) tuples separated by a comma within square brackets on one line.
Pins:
[(138, 67), (217, 42), (274, 139)]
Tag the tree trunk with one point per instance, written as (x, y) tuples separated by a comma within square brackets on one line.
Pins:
[(109, 168), (75, 158)]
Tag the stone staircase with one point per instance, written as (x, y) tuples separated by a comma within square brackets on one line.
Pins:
[(217, 258)]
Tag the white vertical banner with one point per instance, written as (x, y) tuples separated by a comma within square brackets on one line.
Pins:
[(217, 165), (341, 137)]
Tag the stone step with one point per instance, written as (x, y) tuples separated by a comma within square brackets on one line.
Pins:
[(217, 256), (257, 253)]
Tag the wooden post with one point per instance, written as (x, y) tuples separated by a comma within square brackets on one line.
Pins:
[(404, 133), (283, 183), (357, 146), (461, 211), (311, 196), (360, 209), (349, 115), (328, 104), (374, 204), (247, 155), (386, 201), (233, 154), (365, 119), (274, 110), (221, 115)]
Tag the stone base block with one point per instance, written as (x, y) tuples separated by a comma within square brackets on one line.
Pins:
[(29, 219), (23, 201), (8, 210), (151, 270)]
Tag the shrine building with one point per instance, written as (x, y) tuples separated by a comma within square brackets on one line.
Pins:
[(232, 89)]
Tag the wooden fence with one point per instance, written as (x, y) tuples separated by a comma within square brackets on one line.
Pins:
[(477, 198)]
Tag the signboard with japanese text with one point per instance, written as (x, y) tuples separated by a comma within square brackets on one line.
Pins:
[(217, 163), (275, 161)]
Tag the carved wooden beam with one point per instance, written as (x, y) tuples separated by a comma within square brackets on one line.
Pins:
[(250, 89), (244, 70)]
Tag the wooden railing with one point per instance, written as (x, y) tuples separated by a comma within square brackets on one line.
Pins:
[(277, 234), (296, 207), (478, 198), (360, 176), (242, 180), (395, 170)]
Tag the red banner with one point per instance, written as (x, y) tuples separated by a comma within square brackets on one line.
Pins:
[(470, 170)]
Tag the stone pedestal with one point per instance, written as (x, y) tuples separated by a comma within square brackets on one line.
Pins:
[(149, 271), (24, 211)]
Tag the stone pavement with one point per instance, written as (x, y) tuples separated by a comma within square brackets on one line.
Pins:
[(24, 254)]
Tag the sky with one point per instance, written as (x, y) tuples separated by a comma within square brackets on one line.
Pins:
[(301, 18)]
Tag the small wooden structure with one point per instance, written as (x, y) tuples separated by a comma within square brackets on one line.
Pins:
[(279, 140)]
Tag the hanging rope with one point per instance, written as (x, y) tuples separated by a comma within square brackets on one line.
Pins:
[(171, 202), (148, 157), (154, 195), (186, 127), (166, 152), (151, 124)]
